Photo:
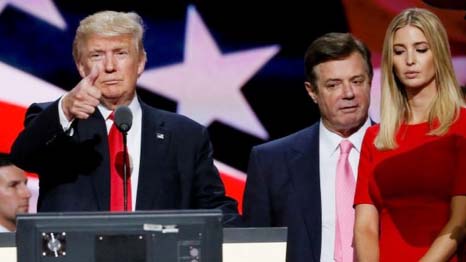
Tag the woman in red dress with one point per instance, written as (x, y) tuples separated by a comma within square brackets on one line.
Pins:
[(411, 190)]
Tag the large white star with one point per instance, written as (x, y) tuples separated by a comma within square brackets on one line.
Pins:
[(43, 9), (207, 84)]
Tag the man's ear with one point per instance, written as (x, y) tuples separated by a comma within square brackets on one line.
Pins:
[(311, 91), (142, 63)]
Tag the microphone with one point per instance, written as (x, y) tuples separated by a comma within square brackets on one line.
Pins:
[(123, 118)]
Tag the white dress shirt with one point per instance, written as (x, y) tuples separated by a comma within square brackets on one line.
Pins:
[(134, 138), (4, 229), (329, 152)]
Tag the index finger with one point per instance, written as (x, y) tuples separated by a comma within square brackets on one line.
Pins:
[(93, 75)]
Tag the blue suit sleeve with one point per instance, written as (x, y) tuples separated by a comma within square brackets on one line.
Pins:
[(256, 201)]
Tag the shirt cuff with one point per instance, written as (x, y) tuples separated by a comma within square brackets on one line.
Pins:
[(65, 124)]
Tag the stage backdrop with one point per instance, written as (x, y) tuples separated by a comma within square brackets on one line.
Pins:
[(233, 66)]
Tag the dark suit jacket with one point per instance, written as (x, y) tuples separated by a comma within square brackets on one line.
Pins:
[(176, 171), (283, 189)]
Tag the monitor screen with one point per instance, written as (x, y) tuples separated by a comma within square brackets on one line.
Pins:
[(152, 236)]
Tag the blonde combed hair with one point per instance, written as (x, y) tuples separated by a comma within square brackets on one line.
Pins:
[(395, 109), (110, 23)]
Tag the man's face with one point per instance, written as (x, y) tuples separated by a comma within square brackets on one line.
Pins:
[(14, 194), (119, 64), (342, 93)]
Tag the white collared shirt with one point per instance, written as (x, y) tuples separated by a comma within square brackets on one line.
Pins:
[(329, 152), (4, 229), (134, 138)]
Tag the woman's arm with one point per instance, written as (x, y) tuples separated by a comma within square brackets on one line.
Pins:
[(446, 243), (366, 233)]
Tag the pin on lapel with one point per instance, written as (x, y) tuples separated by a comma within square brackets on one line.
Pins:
[(160, 136)]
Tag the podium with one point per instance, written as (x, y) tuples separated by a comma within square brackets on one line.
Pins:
[(254, 244), (7, 247), (142, 236)]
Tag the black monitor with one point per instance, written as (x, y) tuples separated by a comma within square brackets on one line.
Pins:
[(154, 236)]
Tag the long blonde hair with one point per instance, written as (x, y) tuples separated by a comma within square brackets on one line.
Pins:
[(394, 102)]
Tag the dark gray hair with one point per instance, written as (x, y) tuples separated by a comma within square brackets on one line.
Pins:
[(334, 46)]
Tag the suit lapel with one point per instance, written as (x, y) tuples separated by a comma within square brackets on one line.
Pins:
[(155, 141), (303, 161)]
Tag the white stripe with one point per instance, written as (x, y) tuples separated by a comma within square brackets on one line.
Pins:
[(230, 171), (23, 89)]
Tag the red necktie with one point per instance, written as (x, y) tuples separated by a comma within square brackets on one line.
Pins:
[(115, 143), (344, 195)]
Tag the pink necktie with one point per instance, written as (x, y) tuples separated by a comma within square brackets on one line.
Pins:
[(344, 195), (115, 143)]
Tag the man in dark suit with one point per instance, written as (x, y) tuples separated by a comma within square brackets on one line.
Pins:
[(291, 181), (14, 193), (67, 142)]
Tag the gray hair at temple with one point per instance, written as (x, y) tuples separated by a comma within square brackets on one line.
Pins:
[(110, 23), (334, 46)]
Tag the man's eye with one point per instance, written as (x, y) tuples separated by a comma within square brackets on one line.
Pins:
[(95, 56), (13, 185)]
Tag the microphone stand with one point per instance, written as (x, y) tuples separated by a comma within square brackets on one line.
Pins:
[(125, 175), (123, 120)]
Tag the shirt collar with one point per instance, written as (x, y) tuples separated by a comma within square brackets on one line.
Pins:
[(332, 140), (134, 106), (3, 229)]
